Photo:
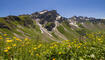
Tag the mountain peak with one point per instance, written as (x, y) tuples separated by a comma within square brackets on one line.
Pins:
[(46, 15)]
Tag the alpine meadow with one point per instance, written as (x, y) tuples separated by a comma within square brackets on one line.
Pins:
[(48, 35)]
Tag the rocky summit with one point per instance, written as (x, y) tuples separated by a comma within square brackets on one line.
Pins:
[(50, 26)]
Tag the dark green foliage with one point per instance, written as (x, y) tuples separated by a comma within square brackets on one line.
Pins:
[(26, 21), (82, 31), (60, 29), (12, 18), (49, 26), (54, 35), (80, 25), (2, 25), (67, 34)]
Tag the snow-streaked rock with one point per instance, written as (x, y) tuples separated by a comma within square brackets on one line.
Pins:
[(58, 17), (43, 12)]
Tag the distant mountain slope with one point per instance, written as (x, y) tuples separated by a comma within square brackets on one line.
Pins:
[(48, 26)]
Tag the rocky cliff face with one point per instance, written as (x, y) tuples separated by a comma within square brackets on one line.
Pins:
[(47, 18)]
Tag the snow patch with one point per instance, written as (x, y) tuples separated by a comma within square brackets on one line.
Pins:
[(42, 12), (74, 24), (58, 17)]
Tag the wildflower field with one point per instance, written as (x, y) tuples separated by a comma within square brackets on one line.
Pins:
[(88, 47)]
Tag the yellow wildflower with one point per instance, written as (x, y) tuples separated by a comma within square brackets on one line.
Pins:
[(55, 45), (14, 37), (80, 43), (39, 45), (72, 42), (9, 41), (35, 48), (14, 45), (8, 47), (59, 53), (78, 47), (6, 50), (69, 46), (37, 54), (53, 59), (17, 39), (26, 39), (99, 39), (7, 38), (5, 34), (51, 47), (20, 40)]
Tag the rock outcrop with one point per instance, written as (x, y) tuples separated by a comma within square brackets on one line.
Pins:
[(48, 18)]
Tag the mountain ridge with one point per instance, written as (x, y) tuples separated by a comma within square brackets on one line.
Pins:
[(50, 26)]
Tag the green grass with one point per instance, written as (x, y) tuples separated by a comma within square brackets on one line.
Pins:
[(90, 47), (38, 46), (54, 35), (69, 34), (72, 32)]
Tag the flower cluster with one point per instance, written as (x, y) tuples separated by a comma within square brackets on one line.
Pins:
[(91, 46)]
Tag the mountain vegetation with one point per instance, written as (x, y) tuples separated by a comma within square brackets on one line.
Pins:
[(49, 36)]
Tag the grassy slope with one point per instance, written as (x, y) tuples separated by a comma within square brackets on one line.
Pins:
[(33, 30), (23, 31)]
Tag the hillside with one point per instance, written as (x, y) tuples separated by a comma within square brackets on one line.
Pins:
[(49, 26), (46, 35)]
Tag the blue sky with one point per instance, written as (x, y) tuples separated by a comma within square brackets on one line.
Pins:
[(66, 8)]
